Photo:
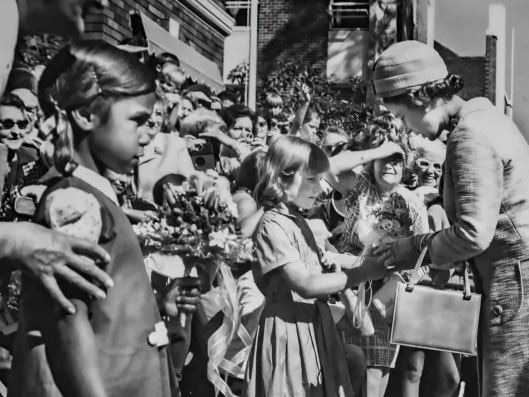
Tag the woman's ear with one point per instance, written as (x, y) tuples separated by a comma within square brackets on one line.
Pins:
[(84, 119)]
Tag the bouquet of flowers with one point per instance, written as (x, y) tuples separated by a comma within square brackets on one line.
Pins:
[(195, 234), (385, 222), (190, 229)]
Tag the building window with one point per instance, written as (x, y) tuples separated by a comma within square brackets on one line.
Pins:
[(350, 15), (240, 11), (174, 27)]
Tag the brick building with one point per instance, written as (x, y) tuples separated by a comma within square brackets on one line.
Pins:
[(198, 27), (340, 38), (343, 38)]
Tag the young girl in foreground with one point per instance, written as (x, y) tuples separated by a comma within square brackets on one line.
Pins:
[(101, 99), (296, 350)]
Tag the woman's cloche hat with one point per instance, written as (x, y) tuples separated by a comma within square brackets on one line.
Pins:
[(406, 65)]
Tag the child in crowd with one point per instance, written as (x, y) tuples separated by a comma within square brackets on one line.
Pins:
[(277, 120), (297, 350), (101, 99)]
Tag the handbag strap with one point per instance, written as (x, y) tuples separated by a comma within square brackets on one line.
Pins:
[(466, 280)]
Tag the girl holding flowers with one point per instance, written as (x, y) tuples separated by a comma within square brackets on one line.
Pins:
[(296, 350), (100, 99)]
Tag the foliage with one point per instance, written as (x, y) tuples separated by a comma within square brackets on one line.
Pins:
[(38, 49), (338, 107), (239, 73)]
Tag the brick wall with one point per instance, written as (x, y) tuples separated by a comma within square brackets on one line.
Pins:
[(490, 68), (472, 69), (289, 28), (112, 24)]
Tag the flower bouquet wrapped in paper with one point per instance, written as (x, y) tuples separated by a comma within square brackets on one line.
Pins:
[(194, 233), (391, 219), (191, 234)]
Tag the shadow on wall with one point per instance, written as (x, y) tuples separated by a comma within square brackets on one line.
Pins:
[(304, 33)]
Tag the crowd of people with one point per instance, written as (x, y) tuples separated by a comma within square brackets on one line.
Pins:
[(94, 142)]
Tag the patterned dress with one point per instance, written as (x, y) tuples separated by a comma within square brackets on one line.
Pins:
[(359, 204), (296, 350)]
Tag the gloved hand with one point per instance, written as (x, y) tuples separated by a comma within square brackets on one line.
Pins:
[(401, 254)]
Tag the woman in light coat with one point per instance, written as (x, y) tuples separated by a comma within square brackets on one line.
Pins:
[(486, 198)]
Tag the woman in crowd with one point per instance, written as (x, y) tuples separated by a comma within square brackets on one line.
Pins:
[(486, 198), (236, 144), (289, 274), (165, 154), (380, 179)]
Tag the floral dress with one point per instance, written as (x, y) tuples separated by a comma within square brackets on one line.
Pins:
[(403, 210), (296, 350)]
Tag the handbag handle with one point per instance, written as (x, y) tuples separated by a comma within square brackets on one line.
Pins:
[(466, 281)]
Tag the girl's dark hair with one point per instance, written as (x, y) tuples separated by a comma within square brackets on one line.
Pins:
[(167, 57), (88, 75), (423, 94), (234, 112), (248, 174), (13, 101), (21, 78)]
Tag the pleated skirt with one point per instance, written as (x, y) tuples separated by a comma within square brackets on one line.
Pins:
[(297, 352)]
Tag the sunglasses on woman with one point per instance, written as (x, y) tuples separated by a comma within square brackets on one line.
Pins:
[(424, 165), (7, 124)]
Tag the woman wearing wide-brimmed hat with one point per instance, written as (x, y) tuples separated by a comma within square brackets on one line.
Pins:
[(486, 197)]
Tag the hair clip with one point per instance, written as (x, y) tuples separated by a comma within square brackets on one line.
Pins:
[(96, 79)]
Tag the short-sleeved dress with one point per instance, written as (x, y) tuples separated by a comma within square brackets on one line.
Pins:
[(358, 203), (122, 322), (296, 350)]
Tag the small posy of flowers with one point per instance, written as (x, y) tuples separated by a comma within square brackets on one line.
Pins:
[(385, 221), (189, 228)]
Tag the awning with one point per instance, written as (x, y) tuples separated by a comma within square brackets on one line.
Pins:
[(195, 65)]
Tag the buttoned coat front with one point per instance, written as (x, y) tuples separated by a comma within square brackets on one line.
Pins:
[(486, 197)]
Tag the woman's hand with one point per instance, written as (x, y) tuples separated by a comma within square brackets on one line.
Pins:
[(398, 255), (192, 142), (48, 256)]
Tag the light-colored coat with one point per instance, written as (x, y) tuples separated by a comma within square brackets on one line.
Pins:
[(486, 197)]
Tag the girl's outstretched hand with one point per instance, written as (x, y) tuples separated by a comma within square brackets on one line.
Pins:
[(49, 256)]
